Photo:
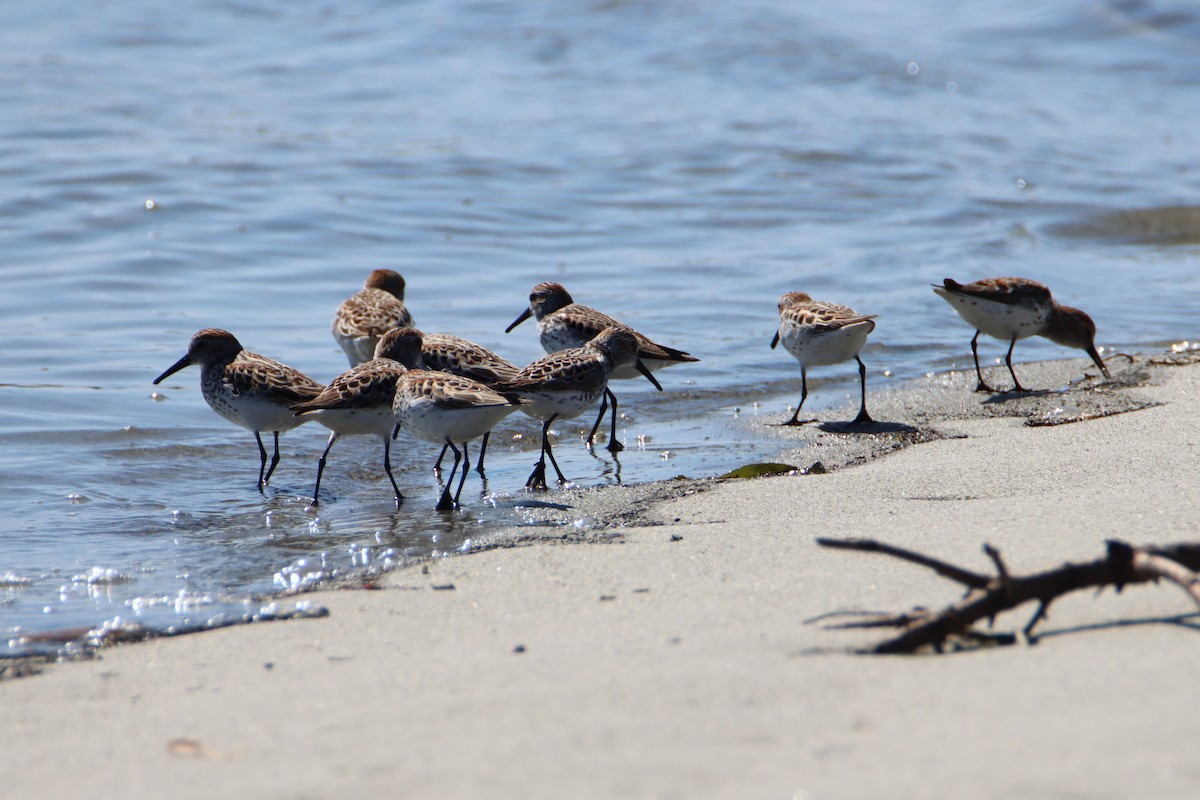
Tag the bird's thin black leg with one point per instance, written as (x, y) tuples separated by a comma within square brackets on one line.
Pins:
[(274, 459), (387, 467), (550, 452), (982, 385), (537, 478), (466, 467), (262, 461), (1017, 387), (795, 420), (482, 452), (321, 466), (863, 417), (446, 503), (614, 446), (599, 418)]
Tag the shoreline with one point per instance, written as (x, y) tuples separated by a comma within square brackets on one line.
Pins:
[(673, 658)]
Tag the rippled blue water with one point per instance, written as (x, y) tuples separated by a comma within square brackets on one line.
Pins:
[(173, 166)]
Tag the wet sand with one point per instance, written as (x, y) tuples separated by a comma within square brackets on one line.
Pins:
[(651, 641)]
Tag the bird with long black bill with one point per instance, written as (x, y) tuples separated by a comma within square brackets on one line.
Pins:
[(1010, 309), (568, 382), (563, 323), (247, 389)]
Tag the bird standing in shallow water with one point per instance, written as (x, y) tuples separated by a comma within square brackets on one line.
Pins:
[(247, 389), (451, 410), (563, 323), (568, 382), (445, 352), (370, 313), (359, 401), (819, 334), (1017, 308)]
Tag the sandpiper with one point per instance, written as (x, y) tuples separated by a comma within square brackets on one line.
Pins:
[(446, 352), (1017, 308), (568, 382), (563, 323), (451, 410), (369, 313), (819, 334), (359, 401), (247, 389)]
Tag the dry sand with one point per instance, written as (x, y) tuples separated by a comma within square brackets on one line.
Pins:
[(667, 655)]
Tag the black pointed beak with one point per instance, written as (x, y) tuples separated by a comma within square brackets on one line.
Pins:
[(775, 340), (396, 430), (1091, 351), (642, 368), (526, 314), (178, 365)]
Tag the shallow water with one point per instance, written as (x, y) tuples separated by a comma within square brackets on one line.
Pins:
[(241, 165)]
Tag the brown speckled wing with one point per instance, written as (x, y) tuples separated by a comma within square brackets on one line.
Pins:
[(822, 316), (1004, 290), (369, 385), (251, 374), (371, 312), (452, 391), (564, 370), (586, 322), (457, 356)]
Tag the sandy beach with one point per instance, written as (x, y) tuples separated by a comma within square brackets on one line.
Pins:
[(662, 651)]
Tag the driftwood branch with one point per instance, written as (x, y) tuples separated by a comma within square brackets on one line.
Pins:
[(964, 576), (1153, 567), (988, 596)]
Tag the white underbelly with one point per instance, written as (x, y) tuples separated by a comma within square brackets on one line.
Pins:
[(821, 348), (254, 413), (359, 349), (1000, 320), (567, 405), (426, 420), (357, 421)]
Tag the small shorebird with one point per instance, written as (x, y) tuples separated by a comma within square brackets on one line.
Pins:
[(247, 389), (563, 323), (568, 382), (369, 313), (819, 334), (359, 401), (1017, 308), (446, 352), (451, 410)]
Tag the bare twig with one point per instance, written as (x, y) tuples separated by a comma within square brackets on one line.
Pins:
[(964, 576), (856, 614), (1037, 617), (1186, 553), (880, 621), (1154, 567), (998, 560), (987, 597)]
